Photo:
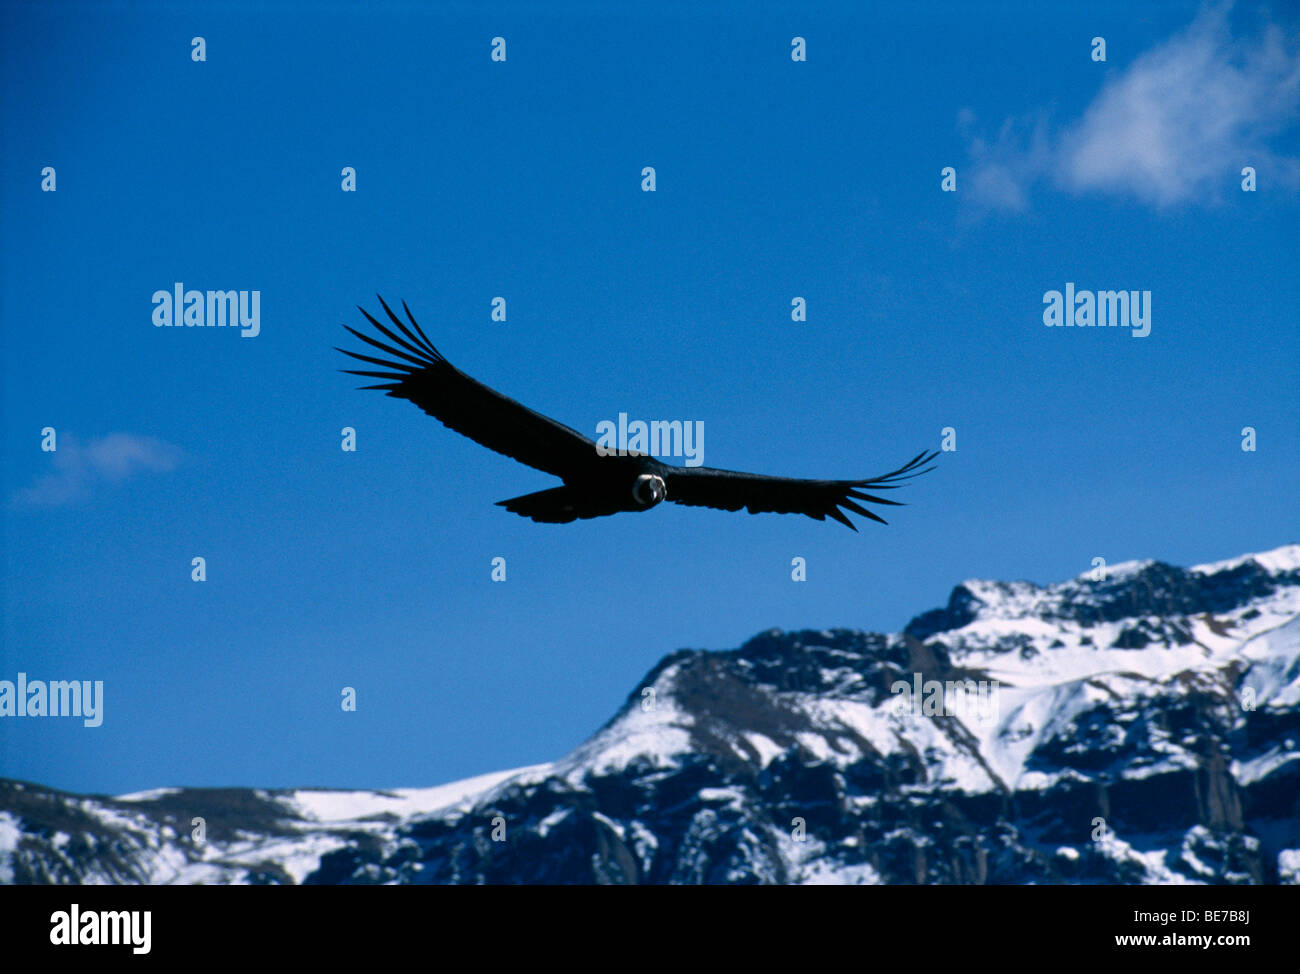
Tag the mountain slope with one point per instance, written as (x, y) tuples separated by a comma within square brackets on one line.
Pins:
[(1141, 728)]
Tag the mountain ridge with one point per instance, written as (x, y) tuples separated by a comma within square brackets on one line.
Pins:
[(1139, 723)]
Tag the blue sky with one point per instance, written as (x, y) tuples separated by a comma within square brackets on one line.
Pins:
[(522, 179)]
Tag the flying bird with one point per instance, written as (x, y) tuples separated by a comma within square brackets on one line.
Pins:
[(594, 485)]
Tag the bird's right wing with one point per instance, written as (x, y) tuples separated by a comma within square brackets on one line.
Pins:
[(418, 372), (730, 490)]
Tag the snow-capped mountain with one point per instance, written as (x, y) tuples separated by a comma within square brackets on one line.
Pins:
[(1137, 727)]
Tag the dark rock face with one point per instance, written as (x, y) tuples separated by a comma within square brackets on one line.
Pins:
[(1146, 729), (959, 612)]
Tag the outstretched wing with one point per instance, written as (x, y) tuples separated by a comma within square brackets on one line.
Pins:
[(729, 490), (418, 372)]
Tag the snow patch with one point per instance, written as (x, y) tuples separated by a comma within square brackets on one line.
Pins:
[(10, 833)]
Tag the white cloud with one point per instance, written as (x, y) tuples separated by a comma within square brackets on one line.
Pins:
[(1176, 126), (78, 468)]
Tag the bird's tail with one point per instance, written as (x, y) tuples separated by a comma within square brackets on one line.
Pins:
[(559, 505)]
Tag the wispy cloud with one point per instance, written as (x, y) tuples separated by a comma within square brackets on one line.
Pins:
[(1176, 126), (1006, 167), (79, 468)]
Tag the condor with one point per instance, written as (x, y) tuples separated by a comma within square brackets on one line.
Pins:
[(594, 485)]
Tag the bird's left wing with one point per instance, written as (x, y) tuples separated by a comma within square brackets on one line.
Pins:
[(729, 490), (415, 370)]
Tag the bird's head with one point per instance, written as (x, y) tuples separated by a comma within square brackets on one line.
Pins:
[(649, 489)]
